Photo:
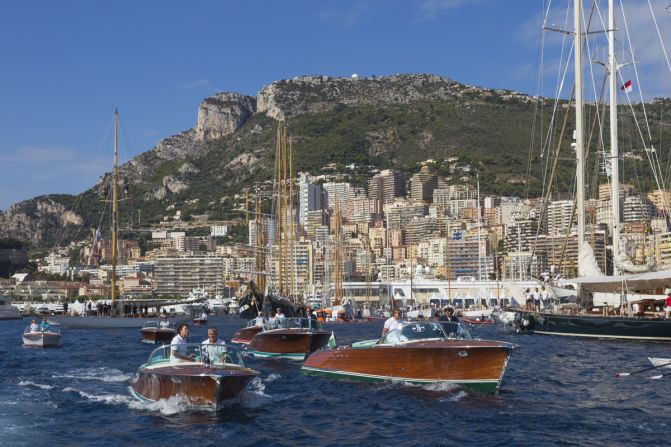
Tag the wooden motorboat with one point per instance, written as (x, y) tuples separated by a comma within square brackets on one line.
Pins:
[(291, 338), (200, 321), (49, 338), (205, 381), (246, 334), (158, 331), (419, 352)]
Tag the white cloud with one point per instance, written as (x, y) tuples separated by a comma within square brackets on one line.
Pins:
[(196, 85), (347, 17)]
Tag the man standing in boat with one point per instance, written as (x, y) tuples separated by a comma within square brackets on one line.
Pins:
[(178, 348), (392, 323)]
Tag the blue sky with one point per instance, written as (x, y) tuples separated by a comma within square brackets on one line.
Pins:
[(67, 64)]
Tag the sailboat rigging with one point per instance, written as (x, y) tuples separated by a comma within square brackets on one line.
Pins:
[(590, 325)]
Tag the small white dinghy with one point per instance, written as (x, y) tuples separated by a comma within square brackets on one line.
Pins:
[(49, 338)]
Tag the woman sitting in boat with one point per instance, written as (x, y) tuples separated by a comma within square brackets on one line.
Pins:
[(34, 327), (178, 347), (272, 320), (214, 347)]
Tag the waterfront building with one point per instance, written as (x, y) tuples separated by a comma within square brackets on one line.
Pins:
[(559, 216), (179, 275)]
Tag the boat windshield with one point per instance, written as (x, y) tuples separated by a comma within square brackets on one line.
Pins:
[(292, 323), (411, 331), (213, 355)]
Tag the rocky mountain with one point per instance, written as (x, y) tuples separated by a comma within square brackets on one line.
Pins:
[(371, 123)]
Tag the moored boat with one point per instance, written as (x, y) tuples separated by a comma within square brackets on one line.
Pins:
[(50, 338), (204, 381), (291, 338), (420, 353), (595, 326), (158, 331), (7, 310)]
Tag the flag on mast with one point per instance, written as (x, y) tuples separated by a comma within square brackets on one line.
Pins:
[(627, 87)]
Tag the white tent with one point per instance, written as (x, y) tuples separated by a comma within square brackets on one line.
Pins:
[(639, 281)]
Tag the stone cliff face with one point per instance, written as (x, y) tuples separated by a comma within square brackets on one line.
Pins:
[(309, 94), (36, 220), (223, 114)]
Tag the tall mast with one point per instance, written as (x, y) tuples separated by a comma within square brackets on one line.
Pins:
[(479, 233), (114, 207), (579, 131), (614, 156)]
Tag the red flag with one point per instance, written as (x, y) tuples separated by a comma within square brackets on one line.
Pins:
[(627, 87)]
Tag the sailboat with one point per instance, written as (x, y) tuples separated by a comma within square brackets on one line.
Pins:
[(115, 320), (620, 327), (288, 338)]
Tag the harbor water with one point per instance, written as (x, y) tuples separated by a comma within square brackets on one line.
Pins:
[(556, 391)]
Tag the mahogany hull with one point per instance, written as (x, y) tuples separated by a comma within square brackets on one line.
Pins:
[(474, 363), (155, 335), (246, 334), (293, 344), (201, 385)]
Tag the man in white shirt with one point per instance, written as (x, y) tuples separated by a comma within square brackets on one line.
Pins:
[(280, 316), (214, 347), (392, 323), (178, 348), (34, 327)]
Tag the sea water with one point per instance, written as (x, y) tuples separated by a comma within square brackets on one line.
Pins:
[(556, 391)]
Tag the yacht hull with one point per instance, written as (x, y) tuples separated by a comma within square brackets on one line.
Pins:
[(246, 334), (201, 385), (598, 326), (103, 322), (476, 364), (292, 344), (154, 335)]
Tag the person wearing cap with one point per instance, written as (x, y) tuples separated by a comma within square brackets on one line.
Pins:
[(448, 315), (392, 323)]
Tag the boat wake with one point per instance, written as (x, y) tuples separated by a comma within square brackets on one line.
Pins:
[(102, 374), (255, 396), (167, 407), (442, 390), (36, 385), (113, 399)]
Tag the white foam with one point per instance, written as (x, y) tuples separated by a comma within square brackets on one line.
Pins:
[(171, 405), (37, 385), (272, 377), (118, 399), (102, 374)]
